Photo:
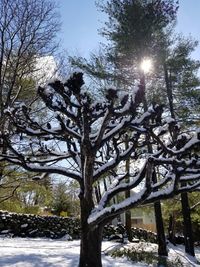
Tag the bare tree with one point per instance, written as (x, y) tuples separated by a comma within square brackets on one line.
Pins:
[(28, 31), (87, 140)]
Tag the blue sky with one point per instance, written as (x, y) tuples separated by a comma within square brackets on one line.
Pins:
[(81, 21)]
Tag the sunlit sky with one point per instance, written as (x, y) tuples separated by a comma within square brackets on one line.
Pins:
[(81, 21)]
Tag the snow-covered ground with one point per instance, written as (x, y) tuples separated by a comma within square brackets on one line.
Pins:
[(27, 252)]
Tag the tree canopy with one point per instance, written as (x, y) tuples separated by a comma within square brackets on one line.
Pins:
[(92, 138)]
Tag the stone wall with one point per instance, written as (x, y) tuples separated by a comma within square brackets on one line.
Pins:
[(26, 225), (112, 232)]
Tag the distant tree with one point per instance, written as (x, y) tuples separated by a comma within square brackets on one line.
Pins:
[(60, 201), (172, 212), (182, 88), (65, 199), (73, 193), (92, 137), (182, 81), (10, 182), (28, 32), (21, 191)]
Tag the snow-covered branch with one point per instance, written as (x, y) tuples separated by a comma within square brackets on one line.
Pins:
[(90, 140), (107, 166), (117, 187), (42, 169)]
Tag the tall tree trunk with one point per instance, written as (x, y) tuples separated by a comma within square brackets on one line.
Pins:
[(188, 237), (90, 252), (187, 224), (171, 229), (3, 145), (189, 243), (162, 247), (169, 91), (128, 220), (127, 195), (91, 239)]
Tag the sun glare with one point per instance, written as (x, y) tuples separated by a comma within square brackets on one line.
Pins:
[(146, 65)]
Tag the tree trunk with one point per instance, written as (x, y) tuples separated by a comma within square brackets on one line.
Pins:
[(90, 251), (171, 229), (189, 242), (128, 225), (97, 194), (127, 195), (91, 239), (169, 91), (162, 248)]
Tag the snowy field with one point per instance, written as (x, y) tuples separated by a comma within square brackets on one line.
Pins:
[(18, 252)]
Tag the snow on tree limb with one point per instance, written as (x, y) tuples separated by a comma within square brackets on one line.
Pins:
[(89, 141)]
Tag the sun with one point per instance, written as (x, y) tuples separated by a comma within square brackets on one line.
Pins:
[(146, 65)]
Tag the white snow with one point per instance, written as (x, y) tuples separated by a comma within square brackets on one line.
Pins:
[(24, 225), (28, 252), (115, 185), (19, 252), (5, 232)]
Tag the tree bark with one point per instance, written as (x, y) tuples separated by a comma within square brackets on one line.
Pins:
[(128, 225), (171, 229), (90, 251), (169, 91), (189, 242), (127, 195), (162, 248), (91, 239)]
